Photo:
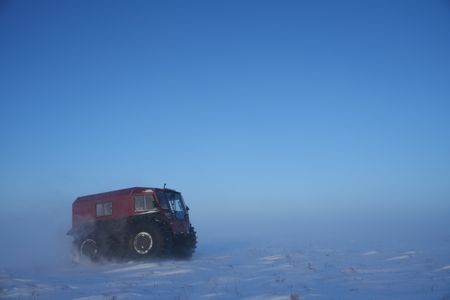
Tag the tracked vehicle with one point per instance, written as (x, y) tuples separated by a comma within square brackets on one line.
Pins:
[(135, 222)]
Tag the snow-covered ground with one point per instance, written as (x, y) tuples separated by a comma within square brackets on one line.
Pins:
[(249, 270)]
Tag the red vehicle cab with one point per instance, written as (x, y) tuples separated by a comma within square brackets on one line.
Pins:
[(137, 221)]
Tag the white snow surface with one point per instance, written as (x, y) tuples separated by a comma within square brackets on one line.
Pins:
[(246, 271)]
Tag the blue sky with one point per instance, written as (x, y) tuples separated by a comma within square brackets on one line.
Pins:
[(318, 107)]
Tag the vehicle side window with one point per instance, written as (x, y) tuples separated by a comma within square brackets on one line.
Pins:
[(107, 208), (144, 203), (103, 209), (163, 200)]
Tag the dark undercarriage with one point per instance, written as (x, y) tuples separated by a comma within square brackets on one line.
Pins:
[(142, 236)]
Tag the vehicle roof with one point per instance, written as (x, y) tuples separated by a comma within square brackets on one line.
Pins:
[(121, 192)]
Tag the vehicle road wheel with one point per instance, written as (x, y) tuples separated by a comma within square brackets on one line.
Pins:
[(151, 241), (142, 242), (185, 246), (89, 249)]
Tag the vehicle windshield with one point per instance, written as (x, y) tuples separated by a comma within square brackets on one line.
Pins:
[(173, 201)]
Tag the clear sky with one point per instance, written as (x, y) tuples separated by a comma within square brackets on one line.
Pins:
[(288, 107)]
